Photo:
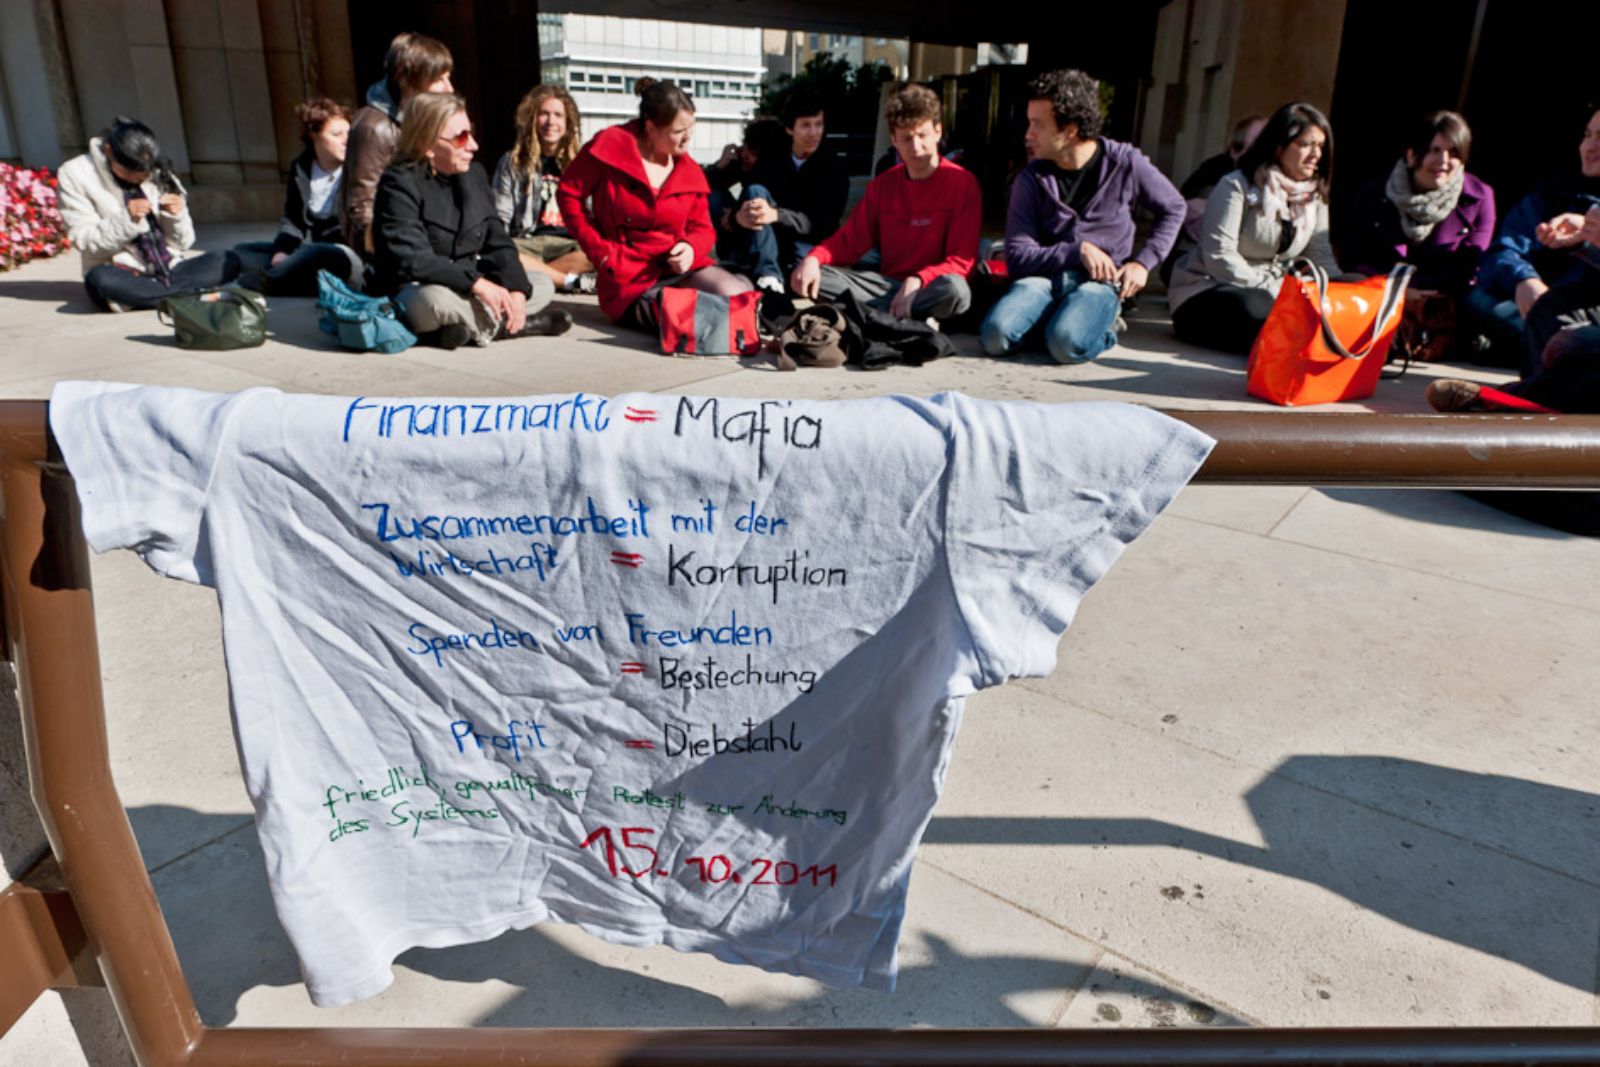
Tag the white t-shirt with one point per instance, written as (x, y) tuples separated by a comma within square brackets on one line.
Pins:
[(323, 185), (678, 670)]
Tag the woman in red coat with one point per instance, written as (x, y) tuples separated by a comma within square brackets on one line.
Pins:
[(638, 206)]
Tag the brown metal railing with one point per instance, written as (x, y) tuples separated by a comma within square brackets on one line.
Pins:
[(105, 910)]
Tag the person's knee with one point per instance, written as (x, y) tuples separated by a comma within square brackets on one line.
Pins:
[(756, 192), (948, 295), (428, 307), (1070, 347), (994, 337), (1085, 329), (543, 291)]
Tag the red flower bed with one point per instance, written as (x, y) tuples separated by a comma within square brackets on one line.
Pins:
[(30, 220)]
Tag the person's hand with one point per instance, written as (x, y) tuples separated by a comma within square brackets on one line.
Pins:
[(139, 207), (1590, 233), (900, 306), (680, 257), (516, 312), (807, 278), (1096, 262), (1529, 290), (172, 204), (1131, 278), (730, 152), (279, 258), (1560, 232), (494, 297), (754, 214)]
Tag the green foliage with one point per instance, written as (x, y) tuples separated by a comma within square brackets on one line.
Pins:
[(849, 96)]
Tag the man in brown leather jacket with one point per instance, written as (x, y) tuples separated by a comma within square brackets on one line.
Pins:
[(415, 64)]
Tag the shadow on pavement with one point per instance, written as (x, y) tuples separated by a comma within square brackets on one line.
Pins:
[(69, 295), (1461, 510), (1501, 865), (219, 910)]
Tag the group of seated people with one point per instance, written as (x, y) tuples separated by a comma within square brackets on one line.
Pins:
[(392, 199)]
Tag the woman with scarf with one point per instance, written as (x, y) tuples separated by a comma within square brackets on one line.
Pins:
[(1428, 212), (1259, 219), (129, 218)]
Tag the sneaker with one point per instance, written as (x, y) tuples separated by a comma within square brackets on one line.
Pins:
[(1120, 326), (770, 282), (583, 284), (550, 322), (1453, 394)]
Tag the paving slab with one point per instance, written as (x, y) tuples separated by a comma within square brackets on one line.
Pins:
[(1258, 650), (1450, 535), (1249, 508), (1252, 887), (1121, 995)]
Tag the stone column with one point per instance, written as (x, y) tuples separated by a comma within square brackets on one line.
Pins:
[(36, 80), (121, 64)]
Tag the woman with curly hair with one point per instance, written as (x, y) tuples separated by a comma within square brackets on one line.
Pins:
[(525, 183)]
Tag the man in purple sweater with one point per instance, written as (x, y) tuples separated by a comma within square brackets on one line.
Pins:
[(1069, 231)]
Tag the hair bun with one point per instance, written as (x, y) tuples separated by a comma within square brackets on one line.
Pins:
[(644, 84)]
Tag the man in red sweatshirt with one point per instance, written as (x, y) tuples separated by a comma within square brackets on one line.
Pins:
[(924, 215)]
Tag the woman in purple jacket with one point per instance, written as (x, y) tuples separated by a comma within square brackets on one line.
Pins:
[(1428, 212), (1069, 230)]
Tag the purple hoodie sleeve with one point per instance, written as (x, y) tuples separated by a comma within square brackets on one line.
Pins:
[(1025, 255), (1161, 198)]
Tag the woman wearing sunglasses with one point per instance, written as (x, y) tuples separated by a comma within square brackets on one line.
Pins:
[(638, 207), (440, 248)]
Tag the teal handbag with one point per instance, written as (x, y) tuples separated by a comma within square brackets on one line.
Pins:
[(217, 320), (362, 323)]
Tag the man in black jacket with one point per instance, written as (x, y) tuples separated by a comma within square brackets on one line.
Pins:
[(794, 200), (439, 245)]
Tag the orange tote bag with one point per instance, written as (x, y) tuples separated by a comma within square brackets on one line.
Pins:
[(1326, 341)]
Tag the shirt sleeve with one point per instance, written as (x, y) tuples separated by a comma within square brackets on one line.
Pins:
[(143, 460), (1040, 501)]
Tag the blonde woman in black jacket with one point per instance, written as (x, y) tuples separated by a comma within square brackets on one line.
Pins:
[(438, 244)]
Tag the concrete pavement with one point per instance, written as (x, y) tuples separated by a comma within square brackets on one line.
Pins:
[(1311, 758)]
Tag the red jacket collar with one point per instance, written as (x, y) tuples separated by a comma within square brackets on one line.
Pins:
[(618, 148)]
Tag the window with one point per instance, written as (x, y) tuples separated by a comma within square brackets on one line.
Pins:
[(814, 42)]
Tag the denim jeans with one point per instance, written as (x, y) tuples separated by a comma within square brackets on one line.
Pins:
[(752, 252), (1501, 322), (1081, 314), (297, 275), (113, 287)]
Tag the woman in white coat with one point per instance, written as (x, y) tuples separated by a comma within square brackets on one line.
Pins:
[(129, 219), (1258, 220)]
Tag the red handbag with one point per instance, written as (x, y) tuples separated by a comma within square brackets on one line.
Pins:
[(1300, 357), (706, 324)]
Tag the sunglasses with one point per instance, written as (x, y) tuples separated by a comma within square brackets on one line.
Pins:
[(460, 140)]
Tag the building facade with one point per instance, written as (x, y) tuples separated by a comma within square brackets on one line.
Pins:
[(601, 59)]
